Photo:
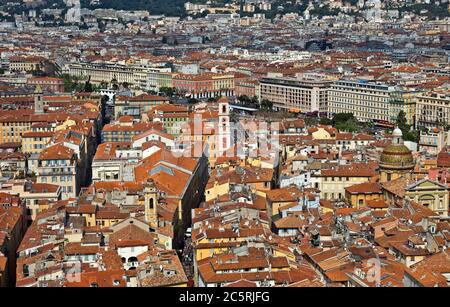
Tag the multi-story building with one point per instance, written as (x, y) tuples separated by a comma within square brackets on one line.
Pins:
[(135, 106), (372, 101), (251, 266), (433, 109), (434, 140), (125, 129), (12, 228), (180, 179), (22, 63), (248, 88), (137, 76), (332, 182), (204, 85), (12, 164), (403, 100), (32, 194), (55, 85), (304, 94), (172, 116), (366, 100), (14, 124), (35, 141), (115, 161), (58, 165), (158, 78)]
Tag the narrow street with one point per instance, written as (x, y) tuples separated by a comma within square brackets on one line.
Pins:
[(187, 258)]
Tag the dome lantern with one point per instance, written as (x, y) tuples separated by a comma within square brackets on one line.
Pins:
[(397, 136)]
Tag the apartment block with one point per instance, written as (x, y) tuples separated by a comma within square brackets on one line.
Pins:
[(366, 100), (296, 94), (433, 109)]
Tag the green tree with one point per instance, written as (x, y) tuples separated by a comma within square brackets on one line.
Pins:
[(350, 126), (72, 83), (88, 87), (266, 105), (401, 121), (402, 124), (344, 122), (412, 136), (325, 121), (342, 117), (254, 100), (167, 91), (244, 99)]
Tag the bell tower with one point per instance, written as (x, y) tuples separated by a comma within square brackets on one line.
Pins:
[(224, 135), (38, 101), (150, 202)]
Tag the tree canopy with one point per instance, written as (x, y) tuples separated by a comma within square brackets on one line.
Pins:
[(402, 124)]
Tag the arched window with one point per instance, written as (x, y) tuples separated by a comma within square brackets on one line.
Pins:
[(151, 203)]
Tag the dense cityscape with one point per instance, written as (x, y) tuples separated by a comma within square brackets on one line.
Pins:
[(224, 143)]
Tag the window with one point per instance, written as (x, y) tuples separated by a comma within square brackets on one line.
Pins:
[(25, 270), (151, 203)]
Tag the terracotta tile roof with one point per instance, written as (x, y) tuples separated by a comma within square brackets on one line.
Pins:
[(353, 170), (288, 194), (44, 188), (109, 278), (377, 204), (136, 127), (109, 186), (443, 159), (107, 150), (73, 248), (9, 217), (131, 233), (397, 186), (407, 250), (57, 152), (365, 188), (430, 271), (289, 222), (241, 283), (37, 134)]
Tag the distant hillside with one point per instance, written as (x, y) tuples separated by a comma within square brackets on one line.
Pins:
[(156, 7)]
